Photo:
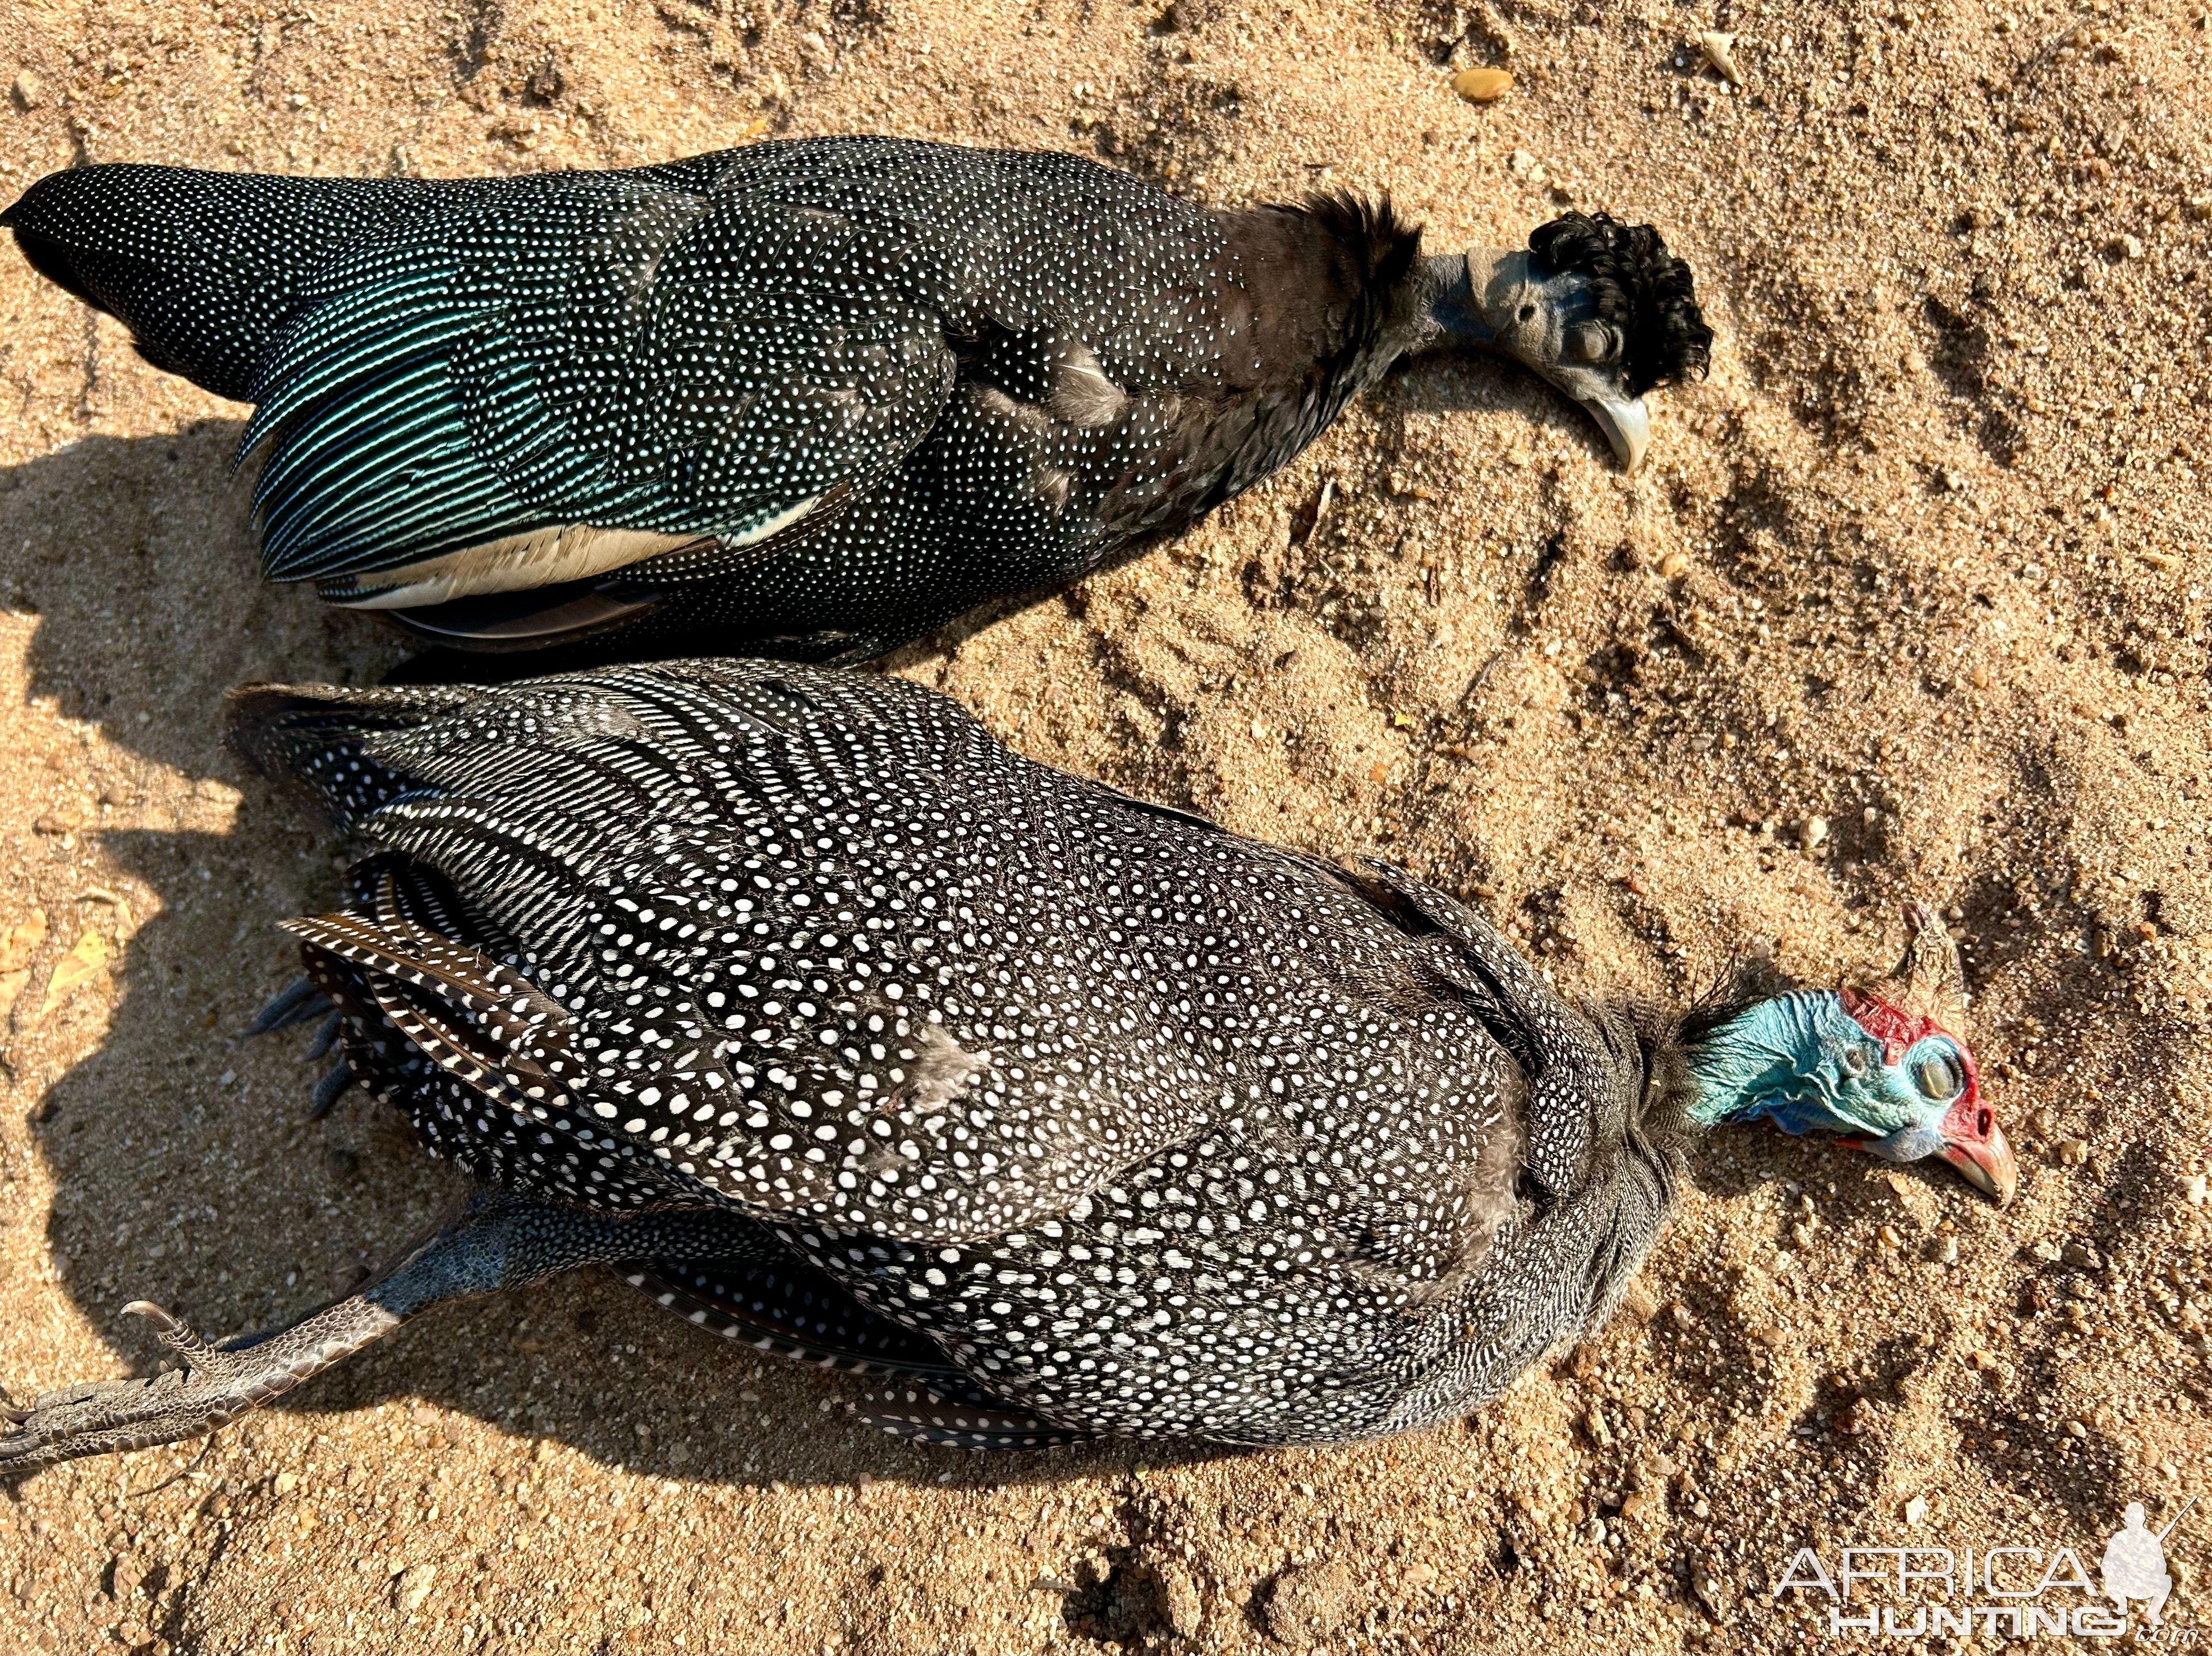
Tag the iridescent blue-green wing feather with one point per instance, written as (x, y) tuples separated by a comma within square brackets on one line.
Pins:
[(606, 350)]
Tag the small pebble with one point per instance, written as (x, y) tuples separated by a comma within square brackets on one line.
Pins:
[(415, 1583), (30, 90), (2193, 1188), (1712, 1592), (2075, 1152), (1915, 1510), (1482, 86)]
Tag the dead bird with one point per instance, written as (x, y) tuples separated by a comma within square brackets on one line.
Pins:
[(846, 1031), (809, 399)]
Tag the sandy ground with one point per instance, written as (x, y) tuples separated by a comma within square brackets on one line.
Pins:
[(1912, 602)]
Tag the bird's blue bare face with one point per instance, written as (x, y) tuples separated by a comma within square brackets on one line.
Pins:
[(1897, 1086)]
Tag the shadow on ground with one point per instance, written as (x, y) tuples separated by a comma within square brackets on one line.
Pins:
[(186, 1167)]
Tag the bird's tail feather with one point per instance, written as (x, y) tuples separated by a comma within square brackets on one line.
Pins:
[(203, 268), (314, 739)]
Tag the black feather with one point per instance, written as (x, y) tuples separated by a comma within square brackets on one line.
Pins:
[(1640, 288)]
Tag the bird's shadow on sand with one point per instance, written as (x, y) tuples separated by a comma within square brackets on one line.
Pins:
[(1459, 383), (185, 1166)]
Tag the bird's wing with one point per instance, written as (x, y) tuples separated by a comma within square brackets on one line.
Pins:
[(776, 905), (533, 385)]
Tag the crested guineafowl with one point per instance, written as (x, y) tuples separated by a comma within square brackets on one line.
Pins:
[(846, 1031), (806, 398)]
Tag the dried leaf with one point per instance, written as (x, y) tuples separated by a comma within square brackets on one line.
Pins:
[(21, 942), (86, 960)]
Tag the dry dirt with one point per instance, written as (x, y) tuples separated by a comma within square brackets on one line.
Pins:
[(1925, 559)]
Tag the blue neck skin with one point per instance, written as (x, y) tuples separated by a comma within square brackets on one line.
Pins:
[(1780, 1060)]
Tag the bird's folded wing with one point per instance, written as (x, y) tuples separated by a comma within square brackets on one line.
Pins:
[(1576, 1077), (543, 384), (816, 1018)]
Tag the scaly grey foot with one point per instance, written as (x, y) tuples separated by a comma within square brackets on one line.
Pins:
[(214, 1385), (496, 1240)]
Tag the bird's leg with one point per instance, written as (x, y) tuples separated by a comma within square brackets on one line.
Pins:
[(495, 1241)]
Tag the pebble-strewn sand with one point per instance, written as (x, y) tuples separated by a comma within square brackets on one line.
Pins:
[(1925, 560)]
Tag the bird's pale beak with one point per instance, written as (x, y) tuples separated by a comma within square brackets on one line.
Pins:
[(1626, 422), (1967, 1136), (1548, 323), (1986, 1162)]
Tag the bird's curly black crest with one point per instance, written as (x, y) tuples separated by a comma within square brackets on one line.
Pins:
[(1640, 288)]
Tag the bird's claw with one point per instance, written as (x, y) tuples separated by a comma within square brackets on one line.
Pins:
[(97, 1417), (164, 1324), (176, 1333), (106, 1416)]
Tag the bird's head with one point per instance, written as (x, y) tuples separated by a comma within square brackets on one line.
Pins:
[(1598, 308), (1886, 1068)]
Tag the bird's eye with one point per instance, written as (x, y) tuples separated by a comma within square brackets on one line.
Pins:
[(1592, 342), (1854, 1062), (1938, 1076)]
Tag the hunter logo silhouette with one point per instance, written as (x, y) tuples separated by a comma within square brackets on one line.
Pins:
[(2135, 1562)]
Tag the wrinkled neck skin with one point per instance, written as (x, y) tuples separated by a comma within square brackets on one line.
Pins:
[(1436, 307), (1771, 1061)]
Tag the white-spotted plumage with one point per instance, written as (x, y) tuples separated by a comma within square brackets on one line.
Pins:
[(814, 397), (1146, 1127)]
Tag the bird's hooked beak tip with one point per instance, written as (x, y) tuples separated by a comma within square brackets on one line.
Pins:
[(1987, 1164), (1626, 422)]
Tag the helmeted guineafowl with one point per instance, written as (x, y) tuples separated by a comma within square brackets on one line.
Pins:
[(849, 1033), (807, 399)]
